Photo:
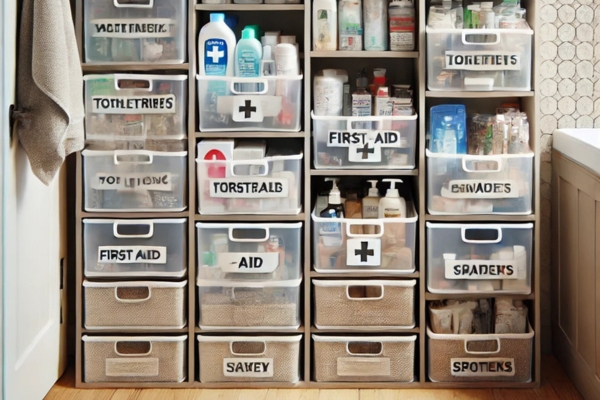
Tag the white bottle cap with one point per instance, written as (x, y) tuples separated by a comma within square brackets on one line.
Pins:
[(392, 191)]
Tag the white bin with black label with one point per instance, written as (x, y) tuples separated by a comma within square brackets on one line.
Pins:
[(250, 252), (479, 59), (135, 31), (134, 358), (459, 184), (134, 248), (479, 258), (249, 358), (364, 358), (383, 245), (134, 180), (386, 142), (132, 107)]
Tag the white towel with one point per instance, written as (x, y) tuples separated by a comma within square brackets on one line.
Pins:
[(49, 86)]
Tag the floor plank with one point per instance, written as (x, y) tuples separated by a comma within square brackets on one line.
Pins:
[(126, 394), (339, 394)]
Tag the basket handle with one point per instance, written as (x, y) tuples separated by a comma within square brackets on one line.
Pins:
[(365, 298), (243, 227), (150, 233), (132, 300), (247, 354), (133, 354), (126, 5), (482, 340)]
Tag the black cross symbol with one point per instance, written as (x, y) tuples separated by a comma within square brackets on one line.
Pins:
[(364, 251), (366, 150), (247, 109)]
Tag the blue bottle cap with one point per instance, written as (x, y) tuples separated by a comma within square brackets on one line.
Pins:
[(217, 17)]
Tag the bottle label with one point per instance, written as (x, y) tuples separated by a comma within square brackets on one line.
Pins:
[(134, 28), (326, 25), (480, 269), (481, 189), (159, 104), (215, 57), (248, 66), (483, 60), (482, 367)]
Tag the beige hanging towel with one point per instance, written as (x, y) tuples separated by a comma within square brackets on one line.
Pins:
[(49, 86)]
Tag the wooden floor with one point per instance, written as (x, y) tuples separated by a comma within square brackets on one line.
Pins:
[(555, 386)]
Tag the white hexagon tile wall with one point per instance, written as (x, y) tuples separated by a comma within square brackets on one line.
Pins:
[(570, 98)]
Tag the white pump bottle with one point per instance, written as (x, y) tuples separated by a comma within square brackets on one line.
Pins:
[(392, 205)]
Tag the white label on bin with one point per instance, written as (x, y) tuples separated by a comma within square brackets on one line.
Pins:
[(482, 367), (363, 366), (249, 188), (248, 263), (134, 366), (133, 28), (483, 60), (480, 269), (158, 104), (132, 254), (158, 181), (385, 139), (480, 189), (363, 252), (248, 367), (369, 152), (247, 109)]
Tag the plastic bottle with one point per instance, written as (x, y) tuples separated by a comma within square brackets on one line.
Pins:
[(375, 14), (286, 59), (486, 15), (334, 208), (350, 24), (392, 205), (328, 92), (402, 25), (370, 207), (248, 54), (216, 47), (324, 25)]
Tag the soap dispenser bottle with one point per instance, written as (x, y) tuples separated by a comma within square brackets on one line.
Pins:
[(392, 205), (370, 207), (334, 208)]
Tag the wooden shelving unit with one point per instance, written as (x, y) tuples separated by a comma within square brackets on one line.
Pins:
[(313, 61)]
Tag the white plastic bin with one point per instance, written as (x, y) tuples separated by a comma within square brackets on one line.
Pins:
[(134, 180), (364, 304), (135, 107), (120, 305), (271, 103), (345, 143), (337, 248), (479, 59), (249, 251), (477, 358), (268, 186), (134, 358), (135, 248), (249, 358), (246, 305), (479, 258), (133, 31), (468, 184), (364, 358)]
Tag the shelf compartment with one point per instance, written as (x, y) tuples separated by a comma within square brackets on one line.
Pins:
[(363, 54), (250, 217), (478, 95), (364, 172), (249, 135), (250, 7), (250, 330), (107, 67), (346, 275), (366, 329), (473, 295), (480, 218)]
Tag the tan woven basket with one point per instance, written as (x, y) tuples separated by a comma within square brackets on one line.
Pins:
[(364, 359), (134, 304), (374, 303), (134, 358), (249, 359)]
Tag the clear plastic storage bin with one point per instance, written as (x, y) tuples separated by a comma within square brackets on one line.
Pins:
[(249, 251), (385, 245), (460, 184), (134, 31), (477, 358), (364, 304), (119, 305), (364, 142), (270, 103), (268, 186), (135, 107), (134, 180), (245, 304), (364, 358), (134, 358), (479, 258), (249, 358), (128, 248), (479, 59)]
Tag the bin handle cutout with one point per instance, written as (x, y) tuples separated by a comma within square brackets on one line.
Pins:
[(482, 340), (497, 160), (479, 32), (121, 300), (264, 350), (365, 298), (144, 235), (120, 4), (261, 163), (464, 229), (254, 227), (348, 344), (117, 352), (123, 77), (350, 223), (250, 81), (119, 154)]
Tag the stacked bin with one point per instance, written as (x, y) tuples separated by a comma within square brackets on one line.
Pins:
[(135, 288)]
